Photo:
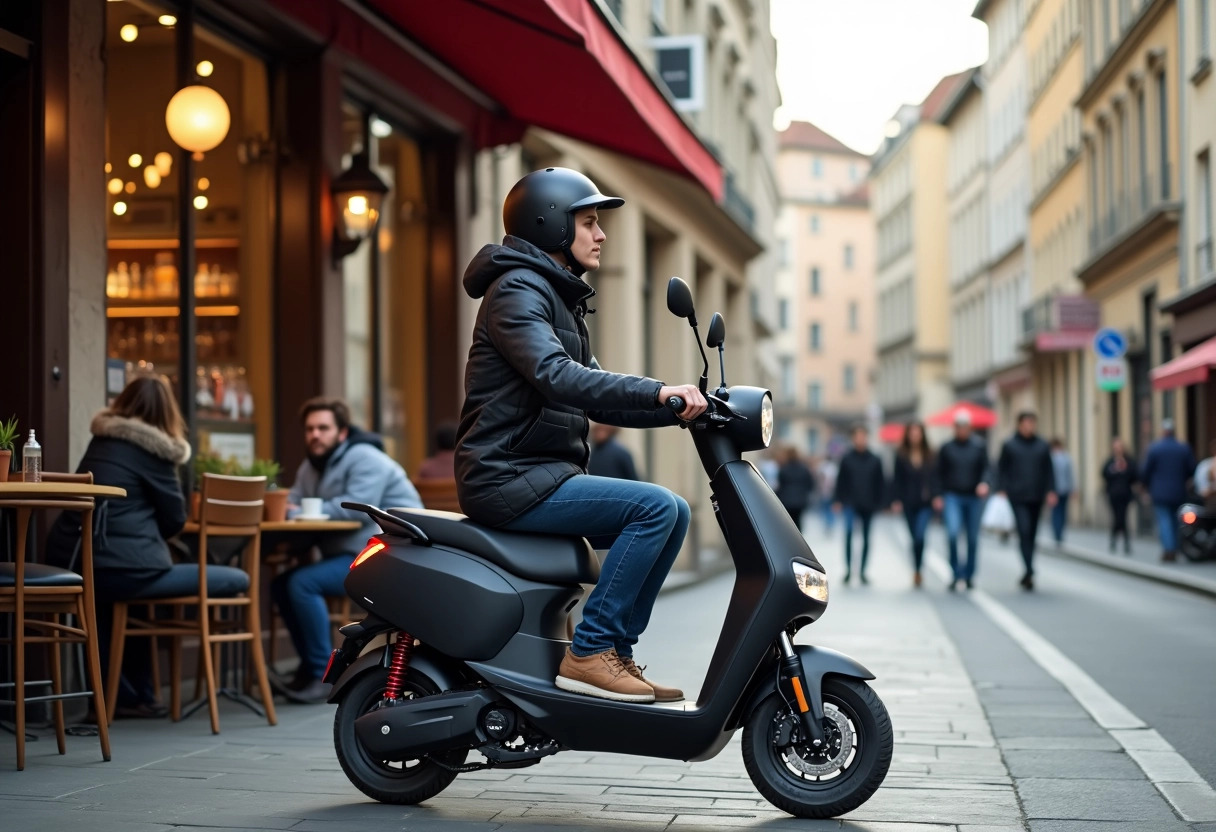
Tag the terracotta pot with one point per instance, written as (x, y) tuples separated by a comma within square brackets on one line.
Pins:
[(274, 509), (196, 502), (6, 459)]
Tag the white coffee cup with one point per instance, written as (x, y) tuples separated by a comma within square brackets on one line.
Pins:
[(310, 506)]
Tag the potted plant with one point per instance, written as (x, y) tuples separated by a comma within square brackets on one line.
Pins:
[(8, 436), (208, 463), (275, 499)]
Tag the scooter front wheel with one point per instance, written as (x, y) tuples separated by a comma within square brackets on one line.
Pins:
[(407, 782), (827, 782)]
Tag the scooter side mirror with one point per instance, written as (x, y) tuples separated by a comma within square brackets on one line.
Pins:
[(716, 336), (679, 300)]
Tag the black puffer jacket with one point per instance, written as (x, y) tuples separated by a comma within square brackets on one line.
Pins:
[(860, 485), (531, 383), (1024, 471), (133, 455)]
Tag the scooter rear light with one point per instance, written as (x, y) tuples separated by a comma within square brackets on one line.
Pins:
[(373, 546), (1189, 517)]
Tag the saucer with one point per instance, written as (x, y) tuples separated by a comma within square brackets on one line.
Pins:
[(311, 517)]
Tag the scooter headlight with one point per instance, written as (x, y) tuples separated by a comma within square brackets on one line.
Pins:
[(812, 582), (767, 419)]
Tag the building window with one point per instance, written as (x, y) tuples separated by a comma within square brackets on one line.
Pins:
[(1142, 119), (852, 171), (816, 167), (812, 440), (1164, 115), (1205, 29), (783, 313), (814, 395), (783, 252), (850, 378), (848, 256), (787, 378), (814, 223), (1203, 177), (816, 337), (852, 316), (815, 287)]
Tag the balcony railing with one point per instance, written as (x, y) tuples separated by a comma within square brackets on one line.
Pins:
[(738, 205), (1129, 209)]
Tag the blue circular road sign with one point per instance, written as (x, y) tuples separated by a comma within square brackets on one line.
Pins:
[(1110, 344)]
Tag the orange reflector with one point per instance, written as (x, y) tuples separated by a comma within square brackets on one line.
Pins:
[(373, 546), (802, 706), (1188, 517)]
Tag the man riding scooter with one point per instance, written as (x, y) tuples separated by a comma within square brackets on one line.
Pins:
[(531, 384)]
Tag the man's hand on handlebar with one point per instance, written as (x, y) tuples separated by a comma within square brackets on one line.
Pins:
[(694, 400)]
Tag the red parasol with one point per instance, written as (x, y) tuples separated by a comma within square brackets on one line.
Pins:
[(981, 417), (892, 433)]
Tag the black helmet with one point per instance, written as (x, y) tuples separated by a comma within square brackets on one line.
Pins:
[(540, 207)]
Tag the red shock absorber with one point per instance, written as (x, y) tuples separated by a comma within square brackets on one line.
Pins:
[(402, 649)]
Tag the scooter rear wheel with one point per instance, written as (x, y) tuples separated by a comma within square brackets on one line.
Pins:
[(820, 784), (408, 782)]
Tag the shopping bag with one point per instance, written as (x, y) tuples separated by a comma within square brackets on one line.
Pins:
[(998, 515)]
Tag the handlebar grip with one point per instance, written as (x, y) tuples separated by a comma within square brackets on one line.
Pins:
[(676, 403)]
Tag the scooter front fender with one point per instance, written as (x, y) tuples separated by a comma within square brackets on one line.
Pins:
[(433, 666), (817, 662)]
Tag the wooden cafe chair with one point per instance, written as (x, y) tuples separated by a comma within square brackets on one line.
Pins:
[(438, 494), (230, 507), (38, 597)]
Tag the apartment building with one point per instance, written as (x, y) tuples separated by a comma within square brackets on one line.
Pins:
[(1005, 81), (1059, 322), (825, 289), (908, 200), (725, 249), (965, 118), (1130, 123)]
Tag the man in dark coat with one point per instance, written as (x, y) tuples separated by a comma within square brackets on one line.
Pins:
[(861, 490), (1026, 476), (962, 482), (1168, 465), (610, 458), (530, 385)]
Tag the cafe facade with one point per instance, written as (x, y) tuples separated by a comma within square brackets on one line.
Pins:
[(291, 187)]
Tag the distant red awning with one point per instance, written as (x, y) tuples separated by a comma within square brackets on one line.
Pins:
[(1192, 367), (891, 433), (558, 64), (981, 417)]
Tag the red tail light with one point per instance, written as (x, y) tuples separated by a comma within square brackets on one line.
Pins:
[(1188, 517), (373, 546)]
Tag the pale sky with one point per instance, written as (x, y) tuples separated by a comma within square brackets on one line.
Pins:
[(847, 65)]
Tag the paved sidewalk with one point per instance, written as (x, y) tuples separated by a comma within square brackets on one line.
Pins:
[(1093, 546)]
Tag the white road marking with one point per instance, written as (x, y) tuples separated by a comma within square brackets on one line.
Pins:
[(1166, 769)]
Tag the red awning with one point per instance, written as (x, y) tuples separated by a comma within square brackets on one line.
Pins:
[(981, 417), (1192, 367), (558, 64), (891, 433)]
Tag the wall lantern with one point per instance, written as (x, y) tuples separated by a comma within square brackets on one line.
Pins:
[(197, 118), (357, 193)]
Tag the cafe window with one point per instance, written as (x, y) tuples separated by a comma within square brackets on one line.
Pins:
[(230, 197)]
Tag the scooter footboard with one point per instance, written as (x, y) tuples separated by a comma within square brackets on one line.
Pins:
[(817, 662)]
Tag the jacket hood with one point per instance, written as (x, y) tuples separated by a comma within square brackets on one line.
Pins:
[(109, 424), (493, 261), (358, 436)]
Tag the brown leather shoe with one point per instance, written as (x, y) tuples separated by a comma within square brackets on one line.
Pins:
[(662, 693), (603, 675)]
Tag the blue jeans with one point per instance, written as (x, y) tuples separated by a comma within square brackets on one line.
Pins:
[(300, 596), (112, 585), (641, 525), (918, 523), (1059, 517), (829, 516), (960, 509), (852, 515), (1167, 525)]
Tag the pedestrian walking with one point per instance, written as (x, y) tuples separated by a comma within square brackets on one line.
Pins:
[(1026, 476), (1121, 476), (913, 490), (1167, 467), (1061, 465), (795, 484), (962, 484), (826, 472), (860, 491), (610, 458)]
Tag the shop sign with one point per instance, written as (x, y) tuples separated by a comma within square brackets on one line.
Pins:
[(1110, 344), (681, 64), (1111, 374)]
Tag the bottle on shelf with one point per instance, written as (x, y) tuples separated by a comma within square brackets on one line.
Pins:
[(217, 280), (165, 275), (31, 459), (137, 281), (111, 283), (122, 281), (200, 281)]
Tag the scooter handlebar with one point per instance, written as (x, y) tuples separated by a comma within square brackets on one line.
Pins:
[(676, 403)]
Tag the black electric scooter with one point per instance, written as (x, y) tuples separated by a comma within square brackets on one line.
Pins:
[(475, 622), (1197, 532)]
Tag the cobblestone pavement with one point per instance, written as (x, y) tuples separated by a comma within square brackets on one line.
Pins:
[(951, 770)]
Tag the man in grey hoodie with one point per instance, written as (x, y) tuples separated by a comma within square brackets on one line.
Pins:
[(344, 464)]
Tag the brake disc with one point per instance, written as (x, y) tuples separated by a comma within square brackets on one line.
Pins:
[(838, 744)]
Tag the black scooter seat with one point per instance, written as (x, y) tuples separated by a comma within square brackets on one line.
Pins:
[(547, 558)]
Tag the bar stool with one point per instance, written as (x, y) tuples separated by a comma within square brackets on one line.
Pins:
[(28, 589)]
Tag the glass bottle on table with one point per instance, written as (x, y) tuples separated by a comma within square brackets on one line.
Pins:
[(31, 459)]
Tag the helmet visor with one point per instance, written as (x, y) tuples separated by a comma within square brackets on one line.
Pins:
[(597, 200)]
